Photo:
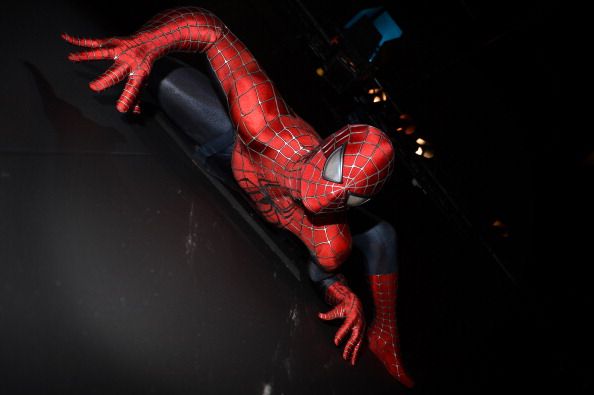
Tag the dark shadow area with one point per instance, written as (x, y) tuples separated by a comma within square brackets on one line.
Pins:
[(70, 125)]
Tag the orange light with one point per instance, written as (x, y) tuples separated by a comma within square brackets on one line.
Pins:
[(320, 72), (501, 228), (399, 130), (498, 224), (384, 96), (377, 99), (420, 141), (428, 154)]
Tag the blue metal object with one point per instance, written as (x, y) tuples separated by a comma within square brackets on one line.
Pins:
[(382, 21)]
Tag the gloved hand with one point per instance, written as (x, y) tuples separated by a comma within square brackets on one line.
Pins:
[(133, 58), (348, 307), (185, 29)]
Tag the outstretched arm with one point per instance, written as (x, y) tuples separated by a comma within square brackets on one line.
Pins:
[(253, 99)]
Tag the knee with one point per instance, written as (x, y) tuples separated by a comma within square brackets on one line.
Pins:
[(379, 245), (331, 254), (330, 259), (381, 236), (386, 233), (330, 263)]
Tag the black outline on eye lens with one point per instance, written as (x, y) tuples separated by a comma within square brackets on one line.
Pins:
[(356, 195), (332, 155)]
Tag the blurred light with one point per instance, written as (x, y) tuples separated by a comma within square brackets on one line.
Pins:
[(320, 72), (419, 151), (399, 130), (410, 129), (420, 141), (384, 96), (501, 227), (428, 154), (373, 91), (416, 183), (377, 99), (404, 117)]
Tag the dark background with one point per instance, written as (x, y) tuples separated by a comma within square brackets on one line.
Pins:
[(481, 309)]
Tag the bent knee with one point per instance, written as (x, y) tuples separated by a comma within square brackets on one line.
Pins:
[(331, 260), (379, 246), (329, 264), (386, 232)]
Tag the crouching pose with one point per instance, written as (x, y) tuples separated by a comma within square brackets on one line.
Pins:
[(295, 179)]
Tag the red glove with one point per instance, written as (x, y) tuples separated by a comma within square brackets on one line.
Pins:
[(136, 64), (347, 306), (183, 29)]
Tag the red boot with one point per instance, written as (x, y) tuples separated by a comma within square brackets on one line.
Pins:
[(383, 333)]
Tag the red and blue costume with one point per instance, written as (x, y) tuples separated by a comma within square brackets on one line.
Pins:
[(296, 180)]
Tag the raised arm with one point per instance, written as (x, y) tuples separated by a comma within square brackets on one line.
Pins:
[(252, 97)]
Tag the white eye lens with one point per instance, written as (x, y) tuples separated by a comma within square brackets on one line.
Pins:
[(333, 167), (354, 201)]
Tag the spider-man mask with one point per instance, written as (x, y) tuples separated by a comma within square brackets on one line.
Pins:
[(349, 168)]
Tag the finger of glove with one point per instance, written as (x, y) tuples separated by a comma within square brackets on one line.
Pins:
[(83, 41), (333, 314), (343, 330), (95, 54), (129, 95), (356, 351), (348, 349), (354, 340), (136, 110), (352, 346), (113, 75)]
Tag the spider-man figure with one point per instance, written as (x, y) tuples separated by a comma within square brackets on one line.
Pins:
[(296, 180)]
